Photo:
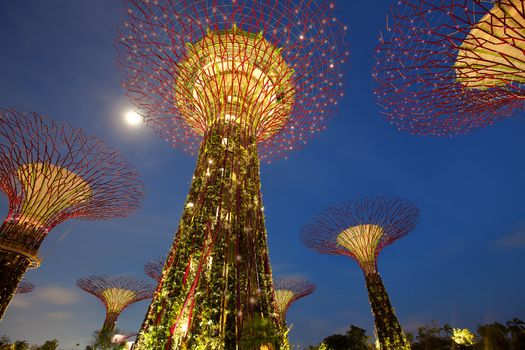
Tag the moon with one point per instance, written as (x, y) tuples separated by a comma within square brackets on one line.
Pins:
[(133, 118)]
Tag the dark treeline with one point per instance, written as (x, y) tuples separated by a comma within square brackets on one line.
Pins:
[(100, 341), (6, 344), (492, 336)]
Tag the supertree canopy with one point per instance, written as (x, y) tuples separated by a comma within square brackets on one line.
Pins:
[(448, 66), (240, 79), (153, 269), (52, 172), (360, 229), (24, 287), (287, 291), (116, 293)]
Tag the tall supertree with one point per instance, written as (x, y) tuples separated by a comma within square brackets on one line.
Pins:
[(360, 230), (116, 293), (240, 79), (52, 172), (153, 269), (448, 66), (24, 287), (287, 291)]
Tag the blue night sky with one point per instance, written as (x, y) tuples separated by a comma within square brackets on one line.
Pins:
[(462, 265)]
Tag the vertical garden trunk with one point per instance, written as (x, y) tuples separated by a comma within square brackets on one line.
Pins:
[(217, 291), (389, 332), (109, 322), (14, 261), (12, 268)]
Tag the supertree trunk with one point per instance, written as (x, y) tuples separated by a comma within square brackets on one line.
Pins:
[(217, 291), (14, 262), (389, 332), (12, 269), (109, 322)]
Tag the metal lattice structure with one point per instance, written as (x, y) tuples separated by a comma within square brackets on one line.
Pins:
[(360, 230), (287, 291), (52, 172), (236, 80), (116, 293), (298, 48), (448, 66), (24, 287), (153, 269)]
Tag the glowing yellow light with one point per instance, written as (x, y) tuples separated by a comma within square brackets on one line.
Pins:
[(184, 327), (117, 298), (235, 77), (49, 189), (133, 118), (362, 241), (283, 298), (492, 53), (462, 336)]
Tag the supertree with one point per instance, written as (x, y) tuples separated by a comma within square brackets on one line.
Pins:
[(52, 172), (116, 293), (360, 230), (153, 269), (445, 67), (240, 79), (24, 287), (287, 291)]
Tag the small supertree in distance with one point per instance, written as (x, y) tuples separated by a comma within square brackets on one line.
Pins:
[(360, 230), (24, 287), (52, 172), (236, 80), (287, 291), (445, 67), (116, 293), (153, 269)]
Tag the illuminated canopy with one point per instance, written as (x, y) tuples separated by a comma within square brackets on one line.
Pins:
[(493, 52), (287, 291), (362, 241), (235, 76), (48, 189)]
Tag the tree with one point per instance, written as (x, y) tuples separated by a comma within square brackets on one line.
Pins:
[(516, 328), (354, 339), (5, 343), (21, 345), (431, 337), (462, 338), (336, 342), (49, 345), (493, 336), (357, 338)]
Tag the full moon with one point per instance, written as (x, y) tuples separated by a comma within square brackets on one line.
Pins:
[(133, 118)]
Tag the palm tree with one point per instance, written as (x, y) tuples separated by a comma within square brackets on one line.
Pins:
[(516, 328)]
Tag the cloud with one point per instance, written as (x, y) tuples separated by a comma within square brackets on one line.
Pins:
[(514, 240), (20, 302), (55, 295), (58, 315)]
